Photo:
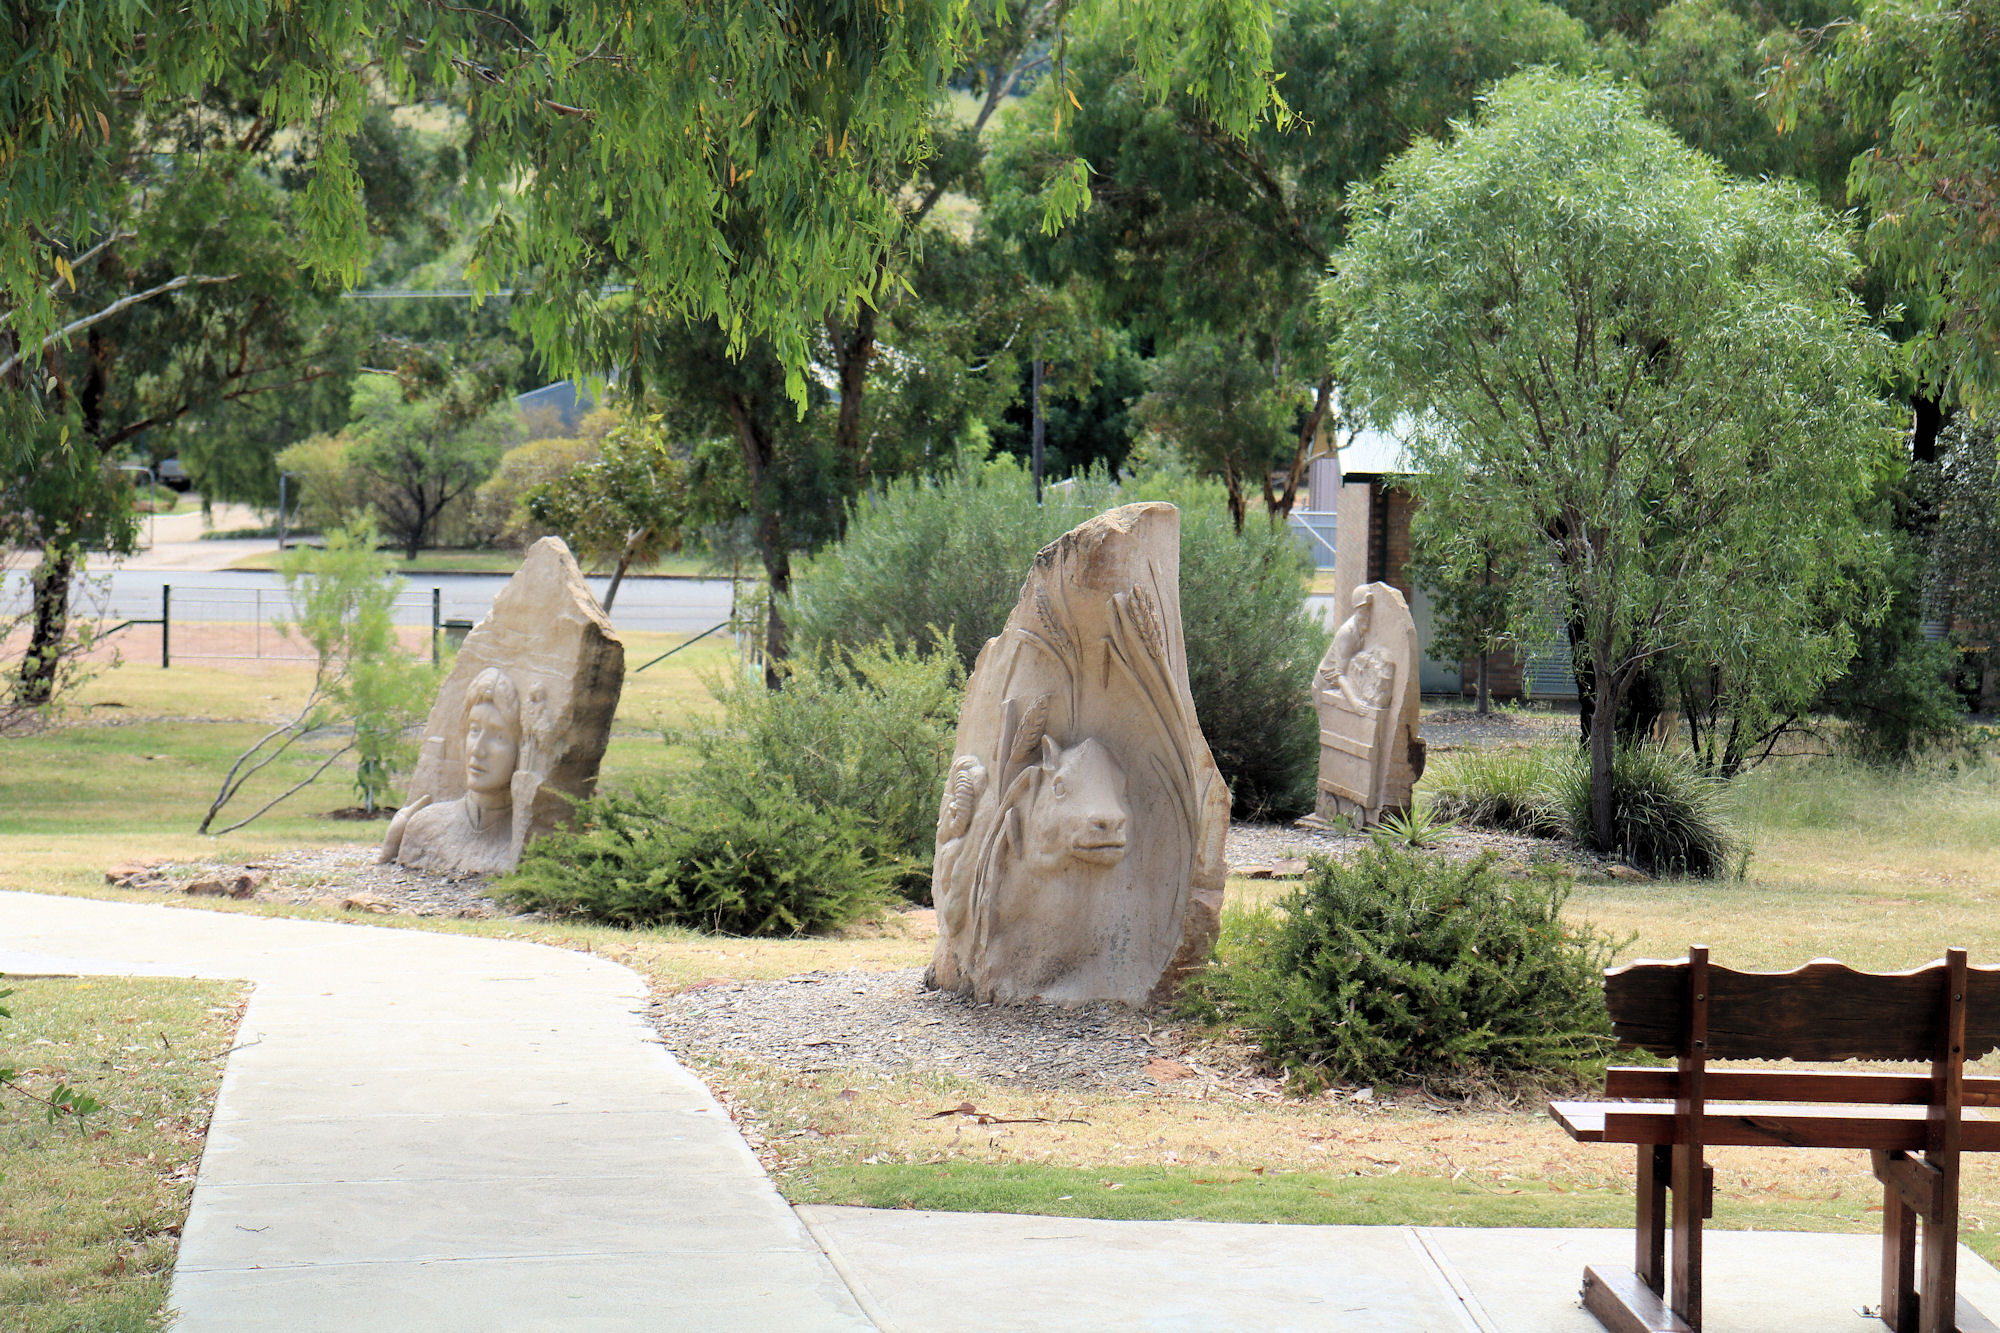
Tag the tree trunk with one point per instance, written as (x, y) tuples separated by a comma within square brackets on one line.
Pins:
[(1280, 503), (1485, 694), (1234, 484), (768, 529), (49, 586), (618, 575), (1603, 746), (855, 351)]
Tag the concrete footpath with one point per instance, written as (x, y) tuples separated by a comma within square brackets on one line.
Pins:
[(421, 1131)]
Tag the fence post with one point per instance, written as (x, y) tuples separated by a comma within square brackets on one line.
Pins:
[(437, 606), (166, 624), (258, 642)]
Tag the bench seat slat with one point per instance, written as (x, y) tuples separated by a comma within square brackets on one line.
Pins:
[(1793, 1085), (1753, 1124)]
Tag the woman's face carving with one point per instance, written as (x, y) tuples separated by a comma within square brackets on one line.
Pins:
[(491, 749)]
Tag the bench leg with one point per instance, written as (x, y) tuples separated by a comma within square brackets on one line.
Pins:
[(1938, 1308), (1655, 1166), (1899, 1263), (1690, 1188)]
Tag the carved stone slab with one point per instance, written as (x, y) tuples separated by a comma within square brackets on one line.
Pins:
[(1079, 845), (519, 725), (1366, 695)]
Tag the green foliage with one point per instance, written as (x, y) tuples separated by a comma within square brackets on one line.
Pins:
[(1925, 75), (62, 1100), (866, 734), (1965, 540), (1400, 968), (327, 489), (1418, 829), (1502, 788), (952, 553), (344, 599), (1896, 696), (948, 552), (1667, 815), (804, 807), (625, 506), (1215, 398), (499, 508), (1210, 245), (1661, 390), (739, 855), (423, 449)]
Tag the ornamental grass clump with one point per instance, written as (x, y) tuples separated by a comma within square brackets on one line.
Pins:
[(1502, 788), (1408, 969), (1666, 815)]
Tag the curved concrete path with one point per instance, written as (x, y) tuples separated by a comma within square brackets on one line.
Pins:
[(434, 1133)]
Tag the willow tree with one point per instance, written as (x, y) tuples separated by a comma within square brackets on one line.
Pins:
[(1652, 375), (689, 115)]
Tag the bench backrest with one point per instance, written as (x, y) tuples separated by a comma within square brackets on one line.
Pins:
[(1824, 1010)]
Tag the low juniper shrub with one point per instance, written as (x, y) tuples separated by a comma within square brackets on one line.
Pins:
[(756, 860), (1406, 969)]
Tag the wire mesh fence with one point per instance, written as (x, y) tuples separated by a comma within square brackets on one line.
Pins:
[(207, 622)]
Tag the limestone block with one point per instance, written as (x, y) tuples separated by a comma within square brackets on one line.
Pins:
[(1365, 692), (1079, 846), (519, 726)]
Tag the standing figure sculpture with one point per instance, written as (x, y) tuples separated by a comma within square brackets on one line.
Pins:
[(475, 833), (1366, 695), (519, 726)]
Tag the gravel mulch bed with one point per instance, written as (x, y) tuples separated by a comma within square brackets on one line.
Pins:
[(887, 1023), (342, 877), (1255, 848), (1463, 728)]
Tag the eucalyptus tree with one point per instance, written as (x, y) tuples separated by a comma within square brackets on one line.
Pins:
[(1924, 75), (1196, 233), (1652, 375), (688, 117)]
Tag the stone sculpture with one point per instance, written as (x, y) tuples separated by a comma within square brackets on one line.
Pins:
[(1079, 844), (519, 727), (1365, 691)]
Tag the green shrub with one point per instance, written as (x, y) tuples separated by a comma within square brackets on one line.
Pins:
[(1401, 968), (867, 734), (947, 551), (804, 809), (952, 551), (751, 859), (1667, 815), (1499, 788)]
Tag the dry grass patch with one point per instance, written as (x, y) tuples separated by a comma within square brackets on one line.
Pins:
[(93, 1211), (851, 1137)]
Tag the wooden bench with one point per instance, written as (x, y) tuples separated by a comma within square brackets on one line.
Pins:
[(1915, 1125)]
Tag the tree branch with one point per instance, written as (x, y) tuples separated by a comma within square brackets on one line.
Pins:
[(122, 303)]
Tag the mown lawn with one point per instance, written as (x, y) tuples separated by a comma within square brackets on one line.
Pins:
[(91, 1210)]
